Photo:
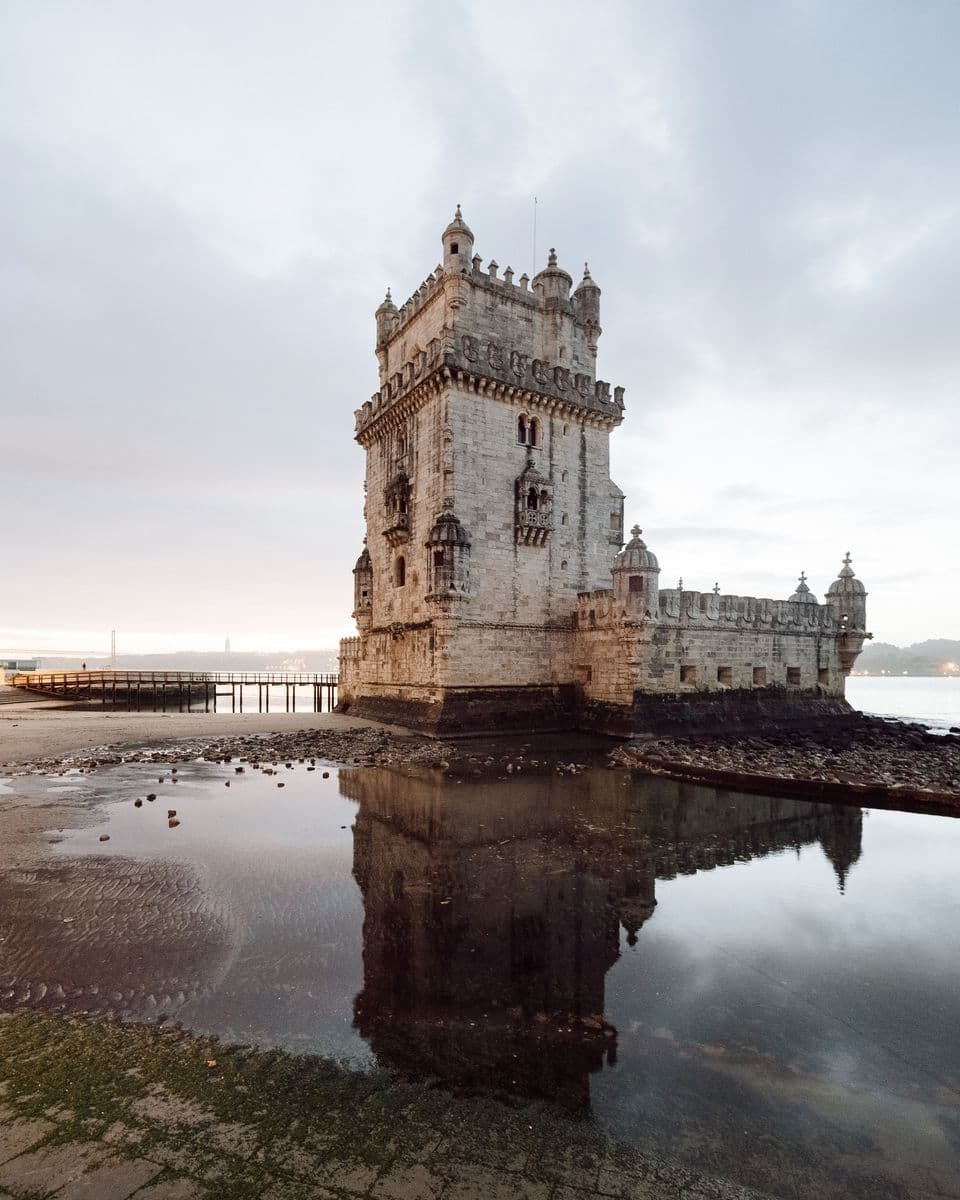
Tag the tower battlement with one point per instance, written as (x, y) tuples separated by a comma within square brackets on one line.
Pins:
[(536, 339)]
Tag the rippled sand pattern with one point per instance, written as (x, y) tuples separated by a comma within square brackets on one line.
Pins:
[(111, 936)]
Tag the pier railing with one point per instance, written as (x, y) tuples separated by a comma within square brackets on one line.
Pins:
[(184, 691)]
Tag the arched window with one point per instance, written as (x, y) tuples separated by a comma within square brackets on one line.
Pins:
[(533, 500), (400, 571), (522, 430), (544, 498), (533, 434)]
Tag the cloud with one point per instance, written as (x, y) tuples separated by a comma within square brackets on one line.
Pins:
[(203, 207)]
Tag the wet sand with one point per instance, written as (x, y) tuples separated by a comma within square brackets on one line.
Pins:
[(46, 730)]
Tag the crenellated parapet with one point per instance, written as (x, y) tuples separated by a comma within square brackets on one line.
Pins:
[(520, 377)]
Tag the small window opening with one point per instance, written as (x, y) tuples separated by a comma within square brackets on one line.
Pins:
[(522, 431), (725, 676), (563, 565), (400, 572), (688, 673), (793, 675), (454, 247), (533, 433), (563, 474), (438, 558), (544, 498), (563, 518), (823, 675), (636, 583), (532, 498), (564, 434), (759, 676)]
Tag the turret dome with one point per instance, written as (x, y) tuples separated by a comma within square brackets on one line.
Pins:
[(457, 244), (846, 583), (587, 283), (803, 595), (363, 563), (447, 531), (458, 226), (635, 556)]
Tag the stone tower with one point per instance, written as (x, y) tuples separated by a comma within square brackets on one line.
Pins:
[(484, 448), (492, 591)]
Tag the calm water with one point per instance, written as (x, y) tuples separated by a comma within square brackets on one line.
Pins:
[(934, 702), (765, 988)]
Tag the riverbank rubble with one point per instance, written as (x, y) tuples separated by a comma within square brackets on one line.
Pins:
[(866, 760)]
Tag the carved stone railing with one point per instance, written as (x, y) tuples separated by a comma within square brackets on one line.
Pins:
[(533, 525)]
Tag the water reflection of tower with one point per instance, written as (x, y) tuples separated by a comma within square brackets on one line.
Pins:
[(488, 932), (842, 841), (493, 908)]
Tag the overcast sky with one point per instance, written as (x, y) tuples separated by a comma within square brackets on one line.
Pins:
[(202, 204)]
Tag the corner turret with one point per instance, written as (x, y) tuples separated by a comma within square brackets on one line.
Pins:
[(457, 244), (363, 590), (387, 318), (586, 305), (553, 284), (847, 597), (635, 584)]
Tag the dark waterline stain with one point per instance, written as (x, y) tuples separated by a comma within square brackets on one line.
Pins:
[(764, 988)]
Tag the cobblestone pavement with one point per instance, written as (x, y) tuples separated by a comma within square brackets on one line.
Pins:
[(146, 1115)]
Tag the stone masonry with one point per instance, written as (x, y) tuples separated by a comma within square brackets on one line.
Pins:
[(492, 591)]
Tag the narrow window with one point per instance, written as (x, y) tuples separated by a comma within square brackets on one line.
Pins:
[(532, 498), (544, 498), (563, 474), (563, 518), (823, 675), (522, 431), (793, 675), (725, 676), (759, 676), (533, 437), (400, 574), (636, 583), (563, 565), (454, 247), (438, 558), (688, 674)]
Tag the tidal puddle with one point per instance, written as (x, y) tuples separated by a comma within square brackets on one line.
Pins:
[(762, 988)]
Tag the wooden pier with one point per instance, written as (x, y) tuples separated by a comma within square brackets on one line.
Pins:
[(182, 691)]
